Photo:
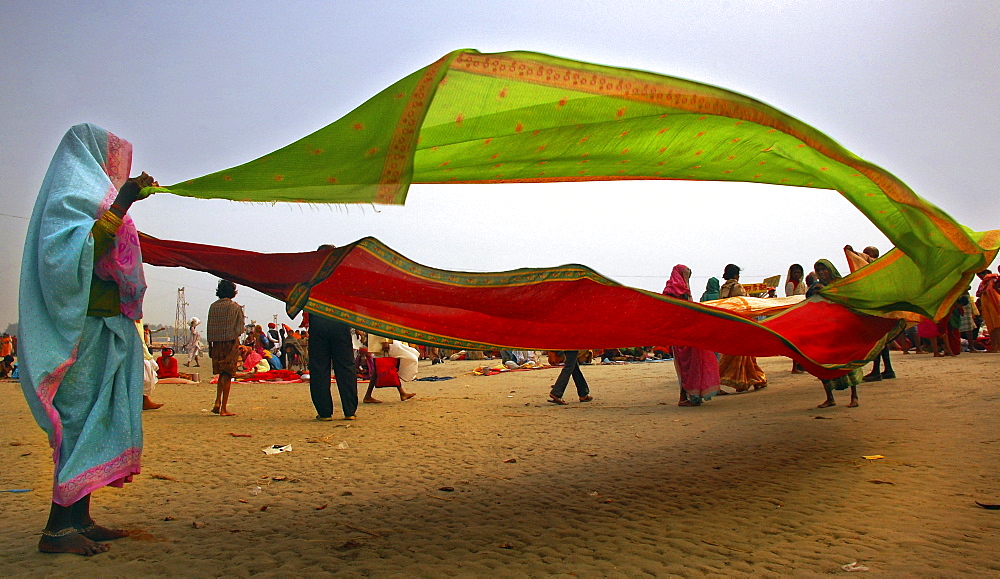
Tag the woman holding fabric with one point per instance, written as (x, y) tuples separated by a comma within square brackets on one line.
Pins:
[(740, 372), (697, 369), (825, 274), (989, 306), (795, 286), (81, 360)]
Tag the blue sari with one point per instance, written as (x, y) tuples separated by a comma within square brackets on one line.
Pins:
[(82, 376)]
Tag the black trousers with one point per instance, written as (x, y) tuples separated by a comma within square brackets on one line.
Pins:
[(571, 368), (330, 342)]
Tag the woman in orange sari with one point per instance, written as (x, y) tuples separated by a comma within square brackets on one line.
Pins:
[(989, 306), (740, 372)]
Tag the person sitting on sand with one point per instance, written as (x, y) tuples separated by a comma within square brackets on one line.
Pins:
[(825, 274), (166, 364), (6, 366), (408, 357), (934, 331)]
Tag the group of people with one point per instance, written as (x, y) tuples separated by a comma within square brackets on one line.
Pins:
[(325, 343), (8, 351), (82, 359), (701, 373), (961, 331)]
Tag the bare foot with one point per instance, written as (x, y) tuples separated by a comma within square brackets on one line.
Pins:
[(586, 398), (215, 409), (148, 404), (827, 404), (407, 396), (226, 413), (798, 372), (73, 543), (96, 532), (370, 400), (688, 403), (853, 404)]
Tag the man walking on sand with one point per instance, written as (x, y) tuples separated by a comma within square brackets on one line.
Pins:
[(570, 369), (225, 325)]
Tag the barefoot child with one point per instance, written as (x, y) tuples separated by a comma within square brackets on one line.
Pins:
[(225, 325), (825, 274)]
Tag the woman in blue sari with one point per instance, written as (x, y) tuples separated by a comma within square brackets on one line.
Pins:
[(81, 357)]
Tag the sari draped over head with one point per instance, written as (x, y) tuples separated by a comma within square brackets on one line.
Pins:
[(854, 377), (989, 306), (711, 290), (740, 372), (795, 288), (677, 286), (82, 376), (697, 369), (818, 285)]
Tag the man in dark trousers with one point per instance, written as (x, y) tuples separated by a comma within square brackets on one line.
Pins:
[(330, 341), (570, 369)]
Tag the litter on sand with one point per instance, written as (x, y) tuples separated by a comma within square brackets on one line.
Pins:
[(276, 448), (854, 567)]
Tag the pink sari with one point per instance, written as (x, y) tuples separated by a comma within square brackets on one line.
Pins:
[(697, 369)]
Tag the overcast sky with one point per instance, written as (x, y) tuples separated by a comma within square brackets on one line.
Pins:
[(201, 86)]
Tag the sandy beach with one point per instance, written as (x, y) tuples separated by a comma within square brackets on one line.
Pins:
[(479, 476)]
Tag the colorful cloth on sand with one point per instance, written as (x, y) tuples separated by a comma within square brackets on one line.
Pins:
[(283, 376), (82, 376), (518, 117)]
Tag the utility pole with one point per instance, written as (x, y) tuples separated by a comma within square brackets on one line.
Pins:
[(181, 330)]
